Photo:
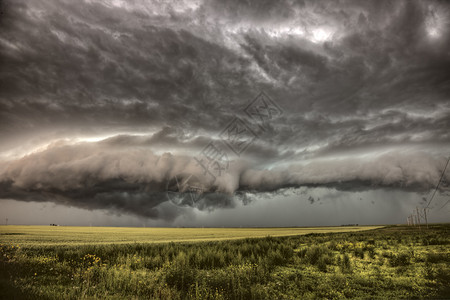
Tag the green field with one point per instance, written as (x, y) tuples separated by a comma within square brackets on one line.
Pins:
[(61, 235), (219, 263)]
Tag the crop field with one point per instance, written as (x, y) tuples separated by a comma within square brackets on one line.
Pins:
[(224, 263), (59, 235)]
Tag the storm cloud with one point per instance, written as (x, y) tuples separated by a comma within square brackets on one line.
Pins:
[(133, 180), (102, 103)]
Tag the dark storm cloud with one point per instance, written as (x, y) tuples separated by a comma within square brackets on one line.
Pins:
[(71, 63), (135, 180), (93, 176), (368, 78)]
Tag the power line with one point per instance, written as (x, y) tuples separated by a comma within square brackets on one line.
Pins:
[(437, 186), (444, 204)]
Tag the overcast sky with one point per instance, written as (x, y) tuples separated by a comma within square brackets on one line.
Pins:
[(277, 113)]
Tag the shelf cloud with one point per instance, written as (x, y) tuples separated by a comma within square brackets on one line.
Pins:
[(133, 180)]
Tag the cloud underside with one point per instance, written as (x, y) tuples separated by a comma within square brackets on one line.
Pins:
[(137, 181)]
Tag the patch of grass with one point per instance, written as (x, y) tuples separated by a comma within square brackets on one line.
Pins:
[(400, 259)]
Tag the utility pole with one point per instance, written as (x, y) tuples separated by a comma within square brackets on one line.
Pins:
[(418, 215), (425, 214), (6, 222), (417, 220)]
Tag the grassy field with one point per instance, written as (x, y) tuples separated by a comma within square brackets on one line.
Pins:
[(60, 235), (76, 262)]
